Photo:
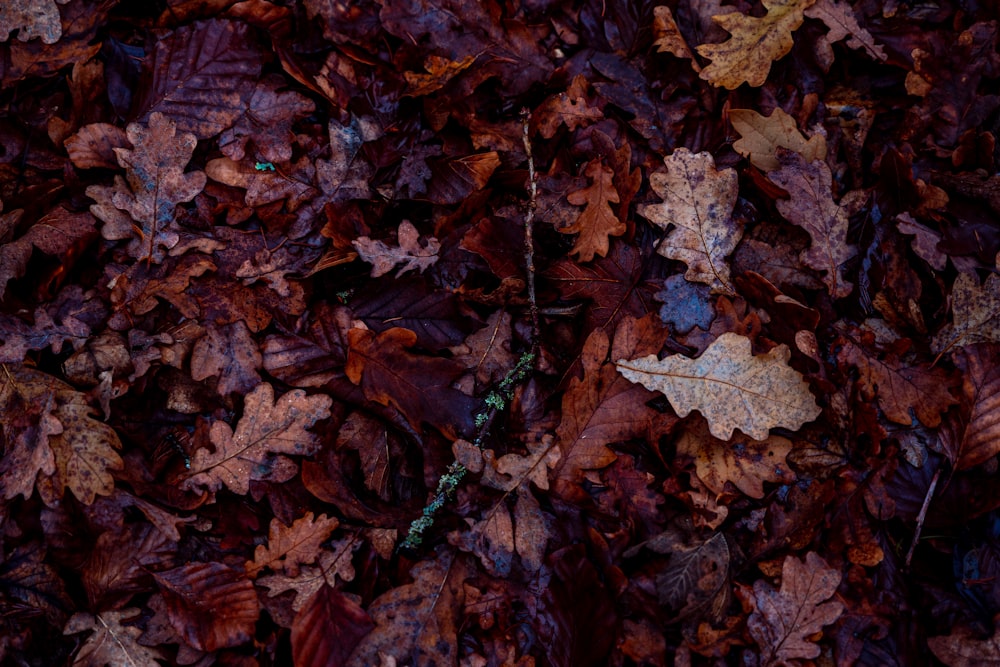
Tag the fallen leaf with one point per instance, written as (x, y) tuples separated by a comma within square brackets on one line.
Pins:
[(754, 44), (267, 122), (328, 628), (570, 108), (231, 354), (56, 234), (109, 579), (730, 386), (964, 647), (840, 19), (597, 221), (410, 254), (785, 620), (812, 207), (669, 38), (31, 19), (975, 312), (761, 136), (454, 179), (744, 462), (111, 642), (288, 547), (439, 72), (332, 564), (267, 428), (94, 146), (698, 201), (210, 605), (972, 436), (156, 183)]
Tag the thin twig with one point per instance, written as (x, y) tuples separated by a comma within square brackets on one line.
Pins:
[(529, 225), (922, 516)]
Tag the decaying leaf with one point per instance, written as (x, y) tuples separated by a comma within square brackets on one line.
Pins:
[(333, 567), (698, 200), (744, 462), (570, 108), (840, 19), (288, 547), (785, 620), (155, 183), (761, 136), (755, 43), (975, 312), (597, 221), (267, 122), (31, 18), (730, 386), (326, 630), (813, 208), (669, 37), (972, 436), (111, 643), (268, 428), (409, 254)]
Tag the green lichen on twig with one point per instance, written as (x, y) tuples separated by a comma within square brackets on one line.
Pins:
[(497, 400)]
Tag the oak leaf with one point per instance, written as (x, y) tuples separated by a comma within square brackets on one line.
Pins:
[(570, 108), (699, 201), (111, 643), (668, 36), (231, 354), (410, 253), (55, 234), (730, 386), (155, 183), (486, 353), (785, 620), (417, 623), (840, 19), (210, 605), (332, 563), (965, 647), (502, 533), (812, 207), (439, 72), (754, 44), (597, 221), (265, 187), (288, 547), (31, 18), (267, 122), (761, 136), (28, 580), (57, 439), (900, 389), (267, 428), (744, 462), (975, 312)]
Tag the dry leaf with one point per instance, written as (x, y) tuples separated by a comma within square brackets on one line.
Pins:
[(156, 183), (410, 253), (812, 207), (839, 18), (570, 108), (699, 201), (972, 436), (288, 547), (332, 563), (439, 72), (668, 36), (964, 647), (744, 462), (761, 136), (730, 386), (267, 122), (111, 643), (755, 43), (267, 428), (975, 312), (31, 18), (598, 221), (785, 620)]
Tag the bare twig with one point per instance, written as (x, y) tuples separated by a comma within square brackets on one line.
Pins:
[(529, 225), (922, 516)]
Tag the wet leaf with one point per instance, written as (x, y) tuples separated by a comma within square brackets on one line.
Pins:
[(730, 386)]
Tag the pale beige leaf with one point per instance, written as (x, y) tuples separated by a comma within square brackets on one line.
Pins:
[(761, 136), (755, 43), (812, 207), (31, 19), (730, 386), (668, 36), (785, 621), (698, 200)]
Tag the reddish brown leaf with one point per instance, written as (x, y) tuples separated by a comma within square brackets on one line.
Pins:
[(231, 354), (973, 436), (288, 547), (418, 386), (597, 222), (570, 108), (328, 629), (267, 122), (454, 179), (210, 605), (94, 146), (110, 576), (57, 233)]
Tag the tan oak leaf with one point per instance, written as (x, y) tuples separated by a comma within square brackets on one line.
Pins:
[(288, 547), (761, 136), (698, 200), (975, 313), (409, 253), (754, 44), (597, 222), (730, 386), (840, 19)]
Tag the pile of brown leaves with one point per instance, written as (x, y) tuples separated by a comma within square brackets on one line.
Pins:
[(262, 263)]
